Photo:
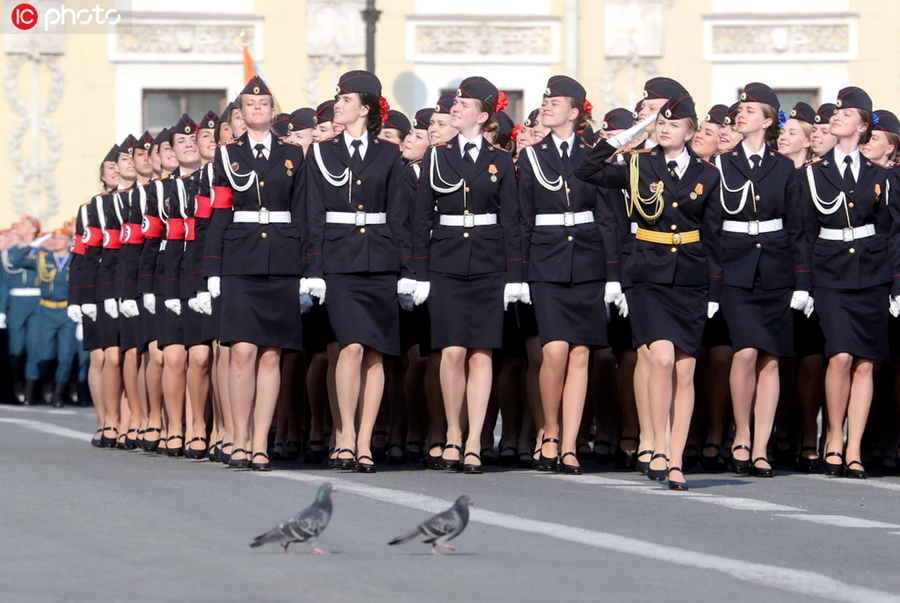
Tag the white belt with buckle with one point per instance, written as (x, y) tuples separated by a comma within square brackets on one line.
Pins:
[(469, 220), (357, 218), (847, 234), (634, 228), (564, 219), (25, 292), (753, 227), (262, 217)]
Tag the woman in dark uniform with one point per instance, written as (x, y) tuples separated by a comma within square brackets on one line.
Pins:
[(674, 266), (570, 252), (253, 259), (766, 271), (358, 246), (467, 244), (854, 255)]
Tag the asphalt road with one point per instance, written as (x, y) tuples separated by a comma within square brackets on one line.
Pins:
[(85, 524)]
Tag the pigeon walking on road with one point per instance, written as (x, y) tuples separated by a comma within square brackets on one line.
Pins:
[(441, 528), (305, 526)]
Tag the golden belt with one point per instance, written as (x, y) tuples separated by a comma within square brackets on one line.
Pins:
[(52, 304), (667, 238)]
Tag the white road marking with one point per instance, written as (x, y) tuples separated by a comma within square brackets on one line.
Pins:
[(50, 428), (843, 521), (26, 409), (791, 580), (871, 483)]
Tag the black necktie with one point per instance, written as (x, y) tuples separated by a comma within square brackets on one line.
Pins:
[(355, 155), (564, 147), (673, 166), (467, 156), (755, 160), (849, 180), (260, 156)]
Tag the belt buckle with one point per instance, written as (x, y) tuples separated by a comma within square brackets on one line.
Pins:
[(360, 218), (568, 218), (753, 227), (469, 220), (676, 238), (264, 216), (848, 235)]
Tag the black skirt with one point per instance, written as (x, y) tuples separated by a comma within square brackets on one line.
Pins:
[(146, 326), (466, 311), (363, 308), (808, 337), (519, 325), (262, 310), (317, 333), (574, 313), (620, 338), (130, 333), (715, 333), (197, 327), (91, 340), (855, 322), (759, 318), (107, 329), (669, 313)]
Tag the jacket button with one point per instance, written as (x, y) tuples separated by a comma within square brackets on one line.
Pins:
[(465, 235), (674, 227), (263, 235), (852, 250), (673, 249), (570, 239), (467, 189), (262, 209), (675, 205), (757, 197), (358, 182), (360, 207), (362, 231), (759, 245), (261, 183), (851, 204)]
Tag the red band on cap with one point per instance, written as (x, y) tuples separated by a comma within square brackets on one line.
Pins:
[(175, 229), (222, 197), (204, 207)]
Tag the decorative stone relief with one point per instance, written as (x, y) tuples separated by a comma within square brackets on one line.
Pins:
[(335, 40), (775, 39), (161, 38), (484, 38)]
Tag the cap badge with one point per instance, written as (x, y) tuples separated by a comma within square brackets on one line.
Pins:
[(668, 113), (255, 89), (743, 96), (187, 129), (839, 103)]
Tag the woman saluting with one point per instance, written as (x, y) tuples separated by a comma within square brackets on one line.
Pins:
[(674, 265)]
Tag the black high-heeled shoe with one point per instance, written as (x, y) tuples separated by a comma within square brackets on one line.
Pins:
[(277, 449), (266, 466), (832, 469), (291, 450), (365, 467), (741, 468), (225, 457), (148, 445), (657, 475), (395, 459), (548, 463), (95, 441), (345, 464), (762, 471), (691, 457), (243, 463), (488, 457), (472, 469), (380, 452), (448, 464), (525, 461), (804, 464), (782, 453), (570, 469), (315, 457), (413, 456), (677, 486), (601, 458), (120, 442), (855, 473), (643, 466), (432, 461), (626, 460), (190, 453), (131, 443), (174, 452), (106, 442), (711, 463), (508, 460)]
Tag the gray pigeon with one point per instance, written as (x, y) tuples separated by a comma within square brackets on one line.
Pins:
[(305, 526), (441, 528)]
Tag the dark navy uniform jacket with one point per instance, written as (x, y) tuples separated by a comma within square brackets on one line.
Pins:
[(161, 224), (377, 187), (242, 248), (863, 262), (132, 241), (464, 251), (564, 254), (93, 253), (776, 194), (114, 208), (196, 229), (689, 204)]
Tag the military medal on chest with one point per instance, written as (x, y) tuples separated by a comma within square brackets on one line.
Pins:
[(492, 170)]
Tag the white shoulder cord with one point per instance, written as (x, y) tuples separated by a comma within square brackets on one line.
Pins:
[(142, 199), (825, 208), (209, 178), (539, 173), (335, 181), (250, 176), (448, 188), (744, 189), (101, 215), (117, 205), (160, 191), (179, 185)]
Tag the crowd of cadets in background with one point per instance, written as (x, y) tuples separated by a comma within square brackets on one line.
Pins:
[(653, 290)]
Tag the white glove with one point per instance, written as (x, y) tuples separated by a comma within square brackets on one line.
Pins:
[(304, 286), (214, 286), (512, 293), (894, 305), (150, 302), (192, 304), (79, 332), (622, 305), (306, 303), (89, 310), (2, 321), (73, 311), (612, 293), (174, 305), (129, 308), (204, 303), (406, 286), (111, 307), (526, 294), (623, 138), (711, 309), (810, 306), (39, 242), (423, 288), (317, 288), (799, 300)]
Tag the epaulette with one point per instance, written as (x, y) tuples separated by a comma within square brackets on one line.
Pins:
[(437, 144), (288, 142), (325, 140), (415, 161), (876, 164), (812, 162), (235, 141), (380, 141), (639, 151), (719, 153), (498, 148)]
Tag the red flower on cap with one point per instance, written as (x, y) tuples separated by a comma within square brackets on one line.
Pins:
[(588, 107), (384, 107), (517, 129), (502, 102)]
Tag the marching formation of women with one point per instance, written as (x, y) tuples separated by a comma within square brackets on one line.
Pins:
[(658, 289)]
